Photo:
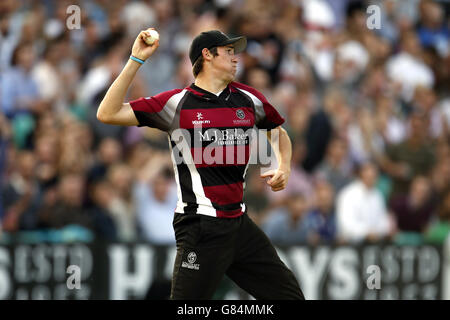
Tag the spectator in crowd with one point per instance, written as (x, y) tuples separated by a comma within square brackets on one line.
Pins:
[(298, 113), (413, 211), (364, 139), (321, 220), (155, 196), (336, 167), (361, 212), (70, 205), (100, 211), (320, 129), (259, 79), (109, 153), (100, 74), (46, 150), (356, 20), (440, 228), (5, 136), (389, 121), (351, 60), (22, 195), (440, 175), (414, 156), (432, 30), (19, 91), (425, 101), (265, 47), (407, 68), (286, 226), (48, 76), (11, 23), (122, 207), (19, 96), (75, 141)]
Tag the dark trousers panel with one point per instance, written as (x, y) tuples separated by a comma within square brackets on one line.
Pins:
[(209, 247)]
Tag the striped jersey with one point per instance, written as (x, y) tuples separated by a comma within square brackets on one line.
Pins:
[(209, 142)]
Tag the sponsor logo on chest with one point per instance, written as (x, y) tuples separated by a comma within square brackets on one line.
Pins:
[(200, 119)]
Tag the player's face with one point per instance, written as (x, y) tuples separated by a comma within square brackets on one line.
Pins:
[(226, 62)]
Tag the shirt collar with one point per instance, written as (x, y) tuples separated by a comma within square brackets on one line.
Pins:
[(202, 92)]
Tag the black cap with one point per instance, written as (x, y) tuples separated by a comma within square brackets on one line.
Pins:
[(214, 38)]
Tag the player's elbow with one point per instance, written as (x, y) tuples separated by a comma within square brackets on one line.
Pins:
[(282, 130), (102, 116), (102, 113)]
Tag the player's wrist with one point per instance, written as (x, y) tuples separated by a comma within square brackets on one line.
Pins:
[(138, 59), (285, 168)]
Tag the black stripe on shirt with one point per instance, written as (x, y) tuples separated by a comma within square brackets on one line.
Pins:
[(217, 176)]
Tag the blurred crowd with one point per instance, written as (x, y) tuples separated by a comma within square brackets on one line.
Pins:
[(367, 107)]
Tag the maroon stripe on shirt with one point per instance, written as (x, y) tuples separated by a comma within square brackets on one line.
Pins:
[(225, 194), (155, 103), (146, 105)]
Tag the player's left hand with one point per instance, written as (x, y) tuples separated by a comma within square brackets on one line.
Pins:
[(278, 178)]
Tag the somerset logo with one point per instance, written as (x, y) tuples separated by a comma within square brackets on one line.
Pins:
[(242, 121), (240, 114), (191, 258)]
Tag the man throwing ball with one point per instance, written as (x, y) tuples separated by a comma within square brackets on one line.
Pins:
[(214, 235)]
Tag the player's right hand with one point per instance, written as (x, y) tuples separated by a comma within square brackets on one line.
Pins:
[(140, 49)]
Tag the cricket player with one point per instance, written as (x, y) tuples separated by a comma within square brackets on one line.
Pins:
[(210, 120)]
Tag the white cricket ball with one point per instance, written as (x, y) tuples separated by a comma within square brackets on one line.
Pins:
[(154, 35)]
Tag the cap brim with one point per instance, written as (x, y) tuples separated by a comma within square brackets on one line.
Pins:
[(239, 44)]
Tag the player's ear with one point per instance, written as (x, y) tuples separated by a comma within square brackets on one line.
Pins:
[(206, 54)]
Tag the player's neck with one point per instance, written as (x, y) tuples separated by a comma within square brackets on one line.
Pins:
[(210, 83)]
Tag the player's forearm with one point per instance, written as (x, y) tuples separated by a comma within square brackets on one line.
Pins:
[(115, 96), (283, 150), (285, 156)]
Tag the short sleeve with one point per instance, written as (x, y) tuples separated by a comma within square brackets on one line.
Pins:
[(266, 116), (271, 118), (157, 111)]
